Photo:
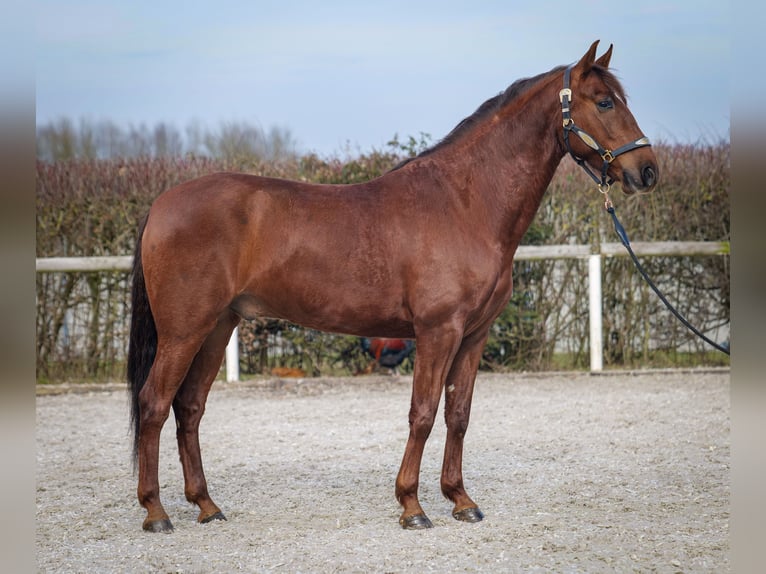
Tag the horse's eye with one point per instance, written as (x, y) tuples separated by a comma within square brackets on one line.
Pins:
[(606, 104)]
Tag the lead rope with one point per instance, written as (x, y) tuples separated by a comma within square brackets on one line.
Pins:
[(626, 242)]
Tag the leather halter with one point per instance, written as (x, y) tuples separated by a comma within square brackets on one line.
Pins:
[(565, 95)]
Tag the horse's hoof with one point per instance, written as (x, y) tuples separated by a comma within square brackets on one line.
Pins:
[(470, 514), (163, 525), (416, 522), (217, 516)]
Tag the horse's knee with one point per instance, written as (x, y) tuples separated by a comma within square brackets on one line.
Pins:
[(421, 423), (457, 422)]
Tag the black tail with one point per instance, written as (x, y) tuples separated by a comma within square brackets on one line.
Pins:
[(143, 340)]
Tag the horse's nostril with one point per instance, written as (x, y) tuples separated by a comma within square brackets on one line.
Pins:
[(648, 176)]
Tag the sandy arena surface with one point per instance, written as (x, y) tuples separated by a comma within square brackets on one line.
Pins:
[(623, 472)]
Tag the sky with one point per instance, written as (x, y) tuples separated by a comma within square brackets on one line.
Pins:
[(349, 75)]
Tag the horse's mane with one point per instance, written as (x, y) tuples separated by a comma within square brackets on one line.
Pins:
[(495, 103)]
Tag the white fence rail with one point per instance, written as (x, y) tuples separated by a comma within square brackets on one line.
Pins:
[(524, 252)]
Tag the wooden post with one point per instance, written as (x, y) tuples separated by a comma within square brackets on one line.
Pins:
[(594, 312), (232, 357)]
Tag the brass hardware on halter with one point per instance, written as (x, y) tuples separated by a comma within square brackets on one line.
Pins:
[(608, 156), (603, 189)]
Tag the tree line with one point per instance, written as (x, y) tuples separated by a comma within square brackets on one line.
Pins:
[(65, 139)]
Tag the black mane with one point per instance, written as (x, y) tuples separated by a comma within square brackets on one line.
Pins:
[(485, 110)]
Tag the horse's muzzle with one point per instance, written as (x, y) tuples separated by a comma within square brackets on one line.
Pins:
[(643, 181)]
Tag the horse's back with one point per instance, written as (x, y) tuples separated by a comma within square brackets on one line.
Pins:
[(317, 255), (352, 259)]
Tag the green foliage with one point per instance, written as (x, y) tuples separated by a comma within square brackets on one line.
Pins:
[(413, 146), (92, 206)]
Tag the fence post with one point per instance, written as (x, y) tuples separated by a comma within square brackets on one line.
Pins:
[(232, 357), (594, 312)]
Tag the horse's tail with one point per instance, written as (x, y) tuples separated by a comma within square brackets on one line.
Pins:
[(143, 340)]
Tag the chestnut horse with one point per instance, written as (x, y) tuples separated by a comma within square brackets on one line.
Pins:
[(229, 246)]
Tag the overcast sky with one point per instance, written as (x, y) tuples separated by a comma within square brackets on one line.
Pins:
[(352, 73)]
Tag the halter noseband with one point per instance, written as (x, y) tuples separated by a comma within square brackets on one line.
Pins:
[(565, 95)]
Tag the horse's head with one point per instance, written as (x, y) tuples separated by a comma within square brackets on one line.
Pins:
[(599, 130)]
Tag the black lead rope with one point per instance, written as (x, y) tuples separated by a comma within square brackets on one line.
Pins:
[(626, 242)]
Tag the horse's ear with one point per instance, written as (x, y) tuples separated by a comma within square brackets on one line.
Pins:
[(603, 61), (587, 61)]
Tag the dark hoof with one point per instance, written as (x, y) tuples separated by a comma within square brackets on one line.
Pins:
[(416, 522), (217, 516), (158, 525), (470, 514)]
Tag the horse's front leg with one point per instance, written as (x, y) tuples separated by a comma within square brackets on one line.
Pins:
[(435, 352), (457, 410)]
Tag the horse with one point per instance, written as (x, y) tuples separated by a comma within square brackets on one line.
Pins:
[(223, 247)]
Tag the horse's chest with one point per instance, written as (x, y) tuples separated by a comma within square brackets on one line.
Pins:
[(501, 294), (496, 297)]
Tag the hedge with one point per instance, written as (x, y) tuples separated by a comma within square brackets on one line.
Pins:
[(89, 207)]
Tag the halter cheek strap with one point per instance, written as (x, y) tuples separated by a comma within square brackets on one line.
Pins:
[(565, 95)]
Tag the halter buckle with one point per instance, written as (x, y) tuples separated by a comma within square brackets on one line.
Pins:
[(607, 156), (603, 188), (565, 93)]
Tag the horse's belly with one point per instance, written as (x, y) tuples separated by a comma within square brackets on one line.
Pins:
[(326, 315)]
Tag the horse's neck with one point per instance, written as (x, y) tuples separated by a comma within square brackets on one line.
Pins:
[(526, 185), (515, 160)]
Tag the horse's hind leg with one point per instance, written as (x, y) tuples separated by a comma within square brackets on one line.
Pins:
[(457, 409), (168, 371), (189, 406)]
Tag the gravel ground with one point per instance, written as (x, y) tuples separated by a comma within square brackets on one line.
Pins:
[(625, 472)]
